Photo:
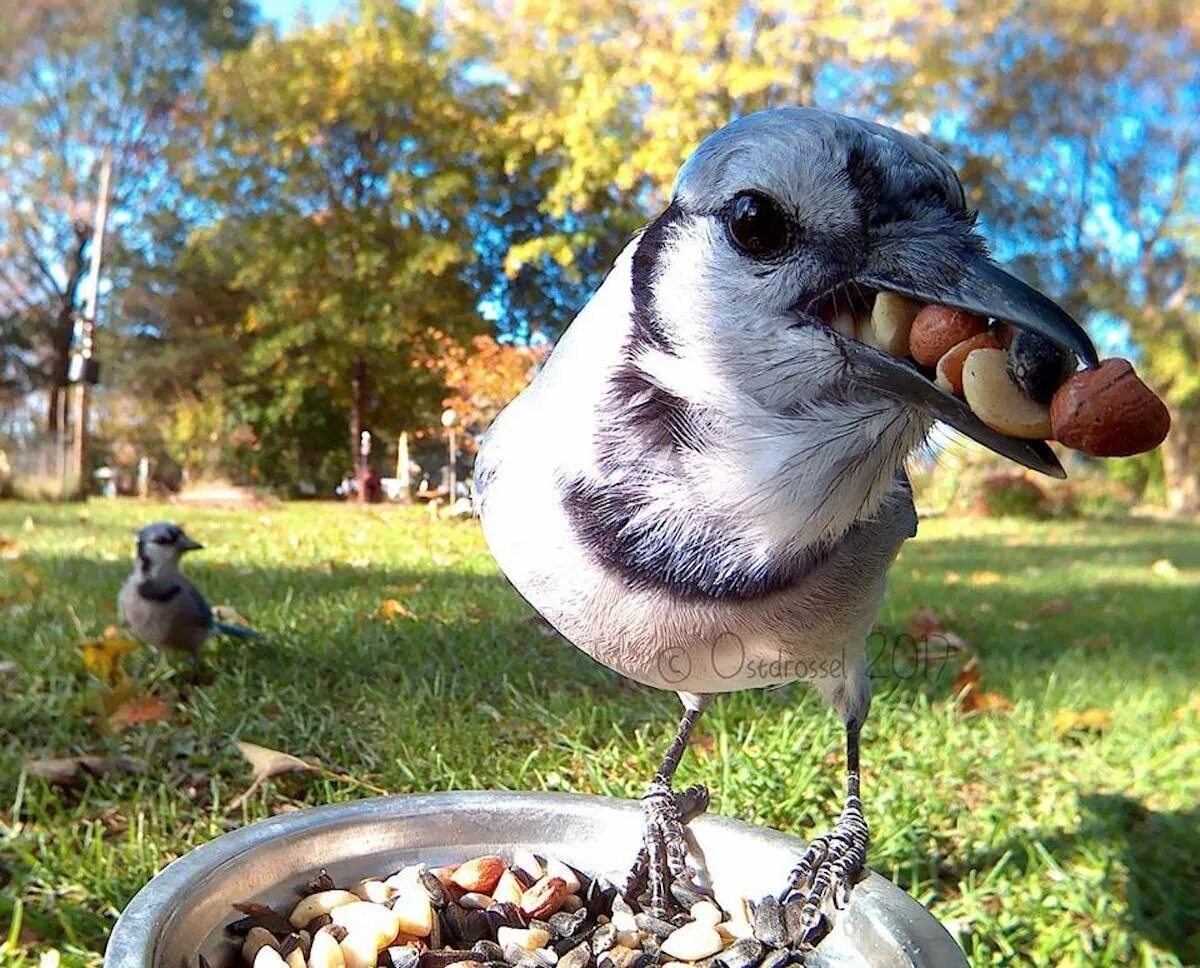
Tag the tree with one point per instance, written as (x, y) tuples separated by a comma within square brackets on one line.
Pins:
[(342, 166), (1078, 132), (605, 100), (483, 376), (75, 80)]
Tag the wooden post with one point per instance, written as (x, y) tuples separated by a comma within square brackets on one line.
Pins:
[(403, 474)]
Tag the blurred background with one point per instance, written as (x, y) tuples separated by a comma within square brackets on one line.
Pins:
[(235, 238)]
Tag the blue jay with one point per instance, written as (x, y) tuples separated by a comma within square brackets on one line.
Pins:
[(704, 486), (162, 607)]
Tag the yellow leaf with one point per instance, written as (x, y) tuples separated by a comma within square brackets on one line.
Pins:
[(1067, 721), (390, 608), (981, 578), (102, 657), (1165, 568)]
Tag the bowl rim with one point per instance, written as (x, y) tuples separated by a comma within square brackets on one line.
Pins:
[(161, 898)]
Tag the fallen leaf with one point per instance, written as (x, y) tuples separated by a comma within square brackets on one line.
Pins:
[(1069, 721), (1056, 606), (266, 763), (390, 608), (1021, 625), (982, 578), (951, 578), (923, 622), (1165, 568), (972, 699), (939, 647), (146, 709), (111, 698), (69, 770), (1191, 709), (102, 656)]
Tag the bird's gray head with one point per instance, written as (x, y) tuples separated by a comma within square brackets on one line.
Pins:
[(784, 221), (161, 545)]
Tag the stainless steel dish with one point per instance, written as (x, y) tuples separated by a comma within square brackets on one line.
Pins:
[(183, 910)]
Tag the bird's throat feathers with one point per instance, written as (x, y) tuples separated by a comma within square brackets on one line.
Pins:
[(716, 464)]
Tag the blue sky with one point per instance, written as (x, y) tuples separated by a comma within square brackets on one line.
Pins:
[(286, 13)]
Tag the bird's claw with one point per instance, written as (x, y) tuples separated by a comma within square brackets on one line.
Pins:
[(662, 859), (827, 871)]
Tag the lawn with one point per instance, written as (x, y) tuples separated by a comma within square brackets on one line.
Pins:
[(1034, 836)]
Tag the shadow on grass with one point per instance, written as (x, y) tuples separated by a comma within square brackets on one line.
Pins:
[(1156, 874)]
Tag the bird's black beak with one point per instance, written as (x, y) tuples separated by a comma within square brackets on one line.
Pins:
[(983, 288), (187, 544)]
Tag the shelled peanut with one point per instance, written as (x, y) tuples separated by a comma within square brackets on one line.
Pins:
[(1019, 382)]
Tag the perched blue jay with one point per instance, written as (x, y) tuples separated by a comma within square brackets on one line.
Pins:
[(704, 487), (162, 607)]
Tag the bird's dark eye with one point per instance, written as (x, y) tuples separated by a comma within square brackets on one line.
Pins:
[(757, 225), (164, 539)]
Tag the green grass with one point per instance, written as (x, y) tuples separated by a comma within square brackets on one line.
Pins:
[(1029, 845)]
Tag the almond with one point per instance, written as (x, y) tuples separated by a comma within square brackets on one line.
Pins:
[(544, 898), (938, 328), (1108, 412), (479, 874), (950, 366)]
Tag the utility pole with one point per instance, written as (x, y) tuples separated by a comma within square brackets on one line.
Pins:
[(84, 371)]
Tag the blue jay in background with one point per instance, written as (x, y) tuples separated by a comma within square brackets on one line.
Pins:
[(704, 487), (162, 607)]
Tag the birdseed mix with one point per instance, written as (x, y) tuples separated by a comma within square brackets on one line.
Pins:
[(527, 912)]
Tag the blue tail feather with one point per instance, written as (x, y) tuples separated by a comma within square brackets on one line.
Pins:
[(236, 630)]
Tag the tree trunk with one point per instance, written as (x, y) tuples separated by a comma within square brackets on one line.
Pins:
[(1181, 461), (358, 410), (64, 326)]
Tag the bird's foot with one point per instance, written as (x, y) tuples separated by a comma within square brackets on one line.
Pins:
[(663, 857), (827, 871)]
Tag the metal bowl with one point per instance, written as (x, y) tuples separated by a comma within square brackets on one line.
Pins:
[(182, 911)]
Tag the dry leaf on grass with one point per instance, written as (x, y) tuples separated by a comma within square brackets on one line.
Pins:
[(1067, 722), (390, 608), (266, 763), (1056, 606), (1165, 568), (71, 770), (102, 656), (1189, 710), (980, 579), (972, 699), (145, 709), (923, 621)]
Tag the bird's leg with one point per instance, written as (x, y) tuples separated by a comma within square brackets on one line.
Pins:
[(834, 861), (663, 856)]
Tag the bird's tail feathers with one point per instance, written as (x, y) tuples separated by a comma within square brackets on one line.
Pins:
[(238, 631)]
